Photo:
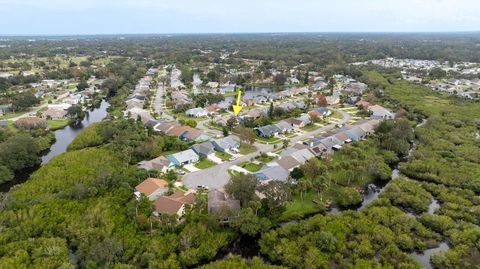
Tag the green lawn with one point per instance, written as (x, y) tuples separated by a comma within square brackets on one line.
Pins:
[(264, 158), (57, 124), (223, 155), (247, 149), (205, 163), (310, 127), (336, 115), (251, 167), (10, 115), (268, 140), (298, 208)]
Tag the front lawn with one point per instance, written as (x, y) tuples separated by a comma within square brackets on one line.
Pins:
[(310, 127), (223, 155), (251, 167), (268, 140), (204, 164), (57, 124), (247, 149)]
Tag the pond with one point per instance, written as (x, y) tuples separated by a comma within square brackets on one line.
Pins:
[(63, 137)]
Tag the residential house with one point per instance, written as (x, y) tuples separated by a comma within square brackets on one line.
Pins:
[(268, 131), (319, 150), (356, 133), (194, 135), (184, 157), (305, 118), (160, 164), (131, 103), (260, 99), (363, 104), (268, 173), (323, 111), (165, 127), (301, 155), (381, 112), (213, 84), (218, 202), (152, 188), (204, 149), (135, 113), (297, 123), (30, 122), (178, 130), (197, 112), (285, 127), (226, 144), (228, 87), (174, 204), (212, 109), (55, 113), (288, 162)]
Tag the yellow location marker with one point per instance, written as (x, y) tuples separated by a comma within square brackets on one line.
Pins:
[(237, 108)]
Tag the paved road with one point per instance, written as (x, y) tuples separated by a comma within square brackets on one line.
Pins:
[(159, 105), (217, 176)]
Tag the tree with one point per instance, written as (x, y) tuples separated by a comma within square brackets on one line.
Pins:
[(348, 196), (82, 85), (280, 79), (242, 187), (277, 195), (225, 131), (321, 100), (249, 223), (296, 173), (270, 111), (23, 101), (246, 135), (19, 152), (75, 112), (5, 174)]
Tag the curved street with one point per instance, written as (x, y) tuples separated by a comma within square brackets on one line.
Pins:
[(217, 176)]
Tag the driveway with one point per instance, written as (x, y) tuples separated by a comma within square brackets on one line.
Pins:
[(217, 176)]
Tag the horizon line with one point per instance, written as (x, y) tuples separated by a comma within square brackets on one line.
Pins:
[(242, 33)]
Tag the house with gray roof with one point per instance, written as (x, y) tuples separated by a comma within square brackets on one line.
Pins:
[(197, 112), (218, 201), (285, 127), (204, 149), (381, 112), (272, 173), (225, 144), (268, 131), (288, 162), (184, 157)]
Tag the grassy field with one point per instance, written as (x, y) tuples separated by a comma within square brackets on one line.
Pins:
[(204, 164), (310, 127), (300, 207), (268, 140), (57, 124)]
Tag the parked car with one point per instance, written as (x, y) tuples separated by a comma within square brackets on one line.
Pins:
[(180, 172), (233, 158), (234, 150), (202, 187)]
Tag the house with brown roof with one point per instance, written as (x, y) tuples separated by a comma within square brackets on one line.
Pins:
[(297, 123), (176, 203), (363, 104), (55, 113), (152, 188), (179, 130), (218, 201), (30, 122), (288, 163)]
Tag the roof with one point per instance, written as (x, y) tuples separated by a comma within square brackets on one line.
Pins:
[(319, 149), (218, 199), (192, 134), (30, 121), (157, 163), (179, 130), (226, 142), (185, 155), (173, 203), (150, 185), (268, 129), (284, 125), (288, 162), (302, 155), (342, 136), (204, 148), (294, 121), (273, 173)]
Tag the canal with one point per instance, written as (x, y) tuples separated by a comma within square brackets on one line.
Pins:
[(63, 137)]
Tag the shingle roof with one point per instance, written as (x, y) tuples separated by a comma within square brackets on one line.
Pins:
[(150, 185), (288, 162)]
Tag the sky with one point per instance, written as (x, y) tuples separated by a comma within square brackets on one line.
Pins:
[(77, 17)]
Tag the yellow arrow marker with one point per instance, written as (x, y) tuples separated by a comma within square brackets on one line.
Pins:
[(237, 108)]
